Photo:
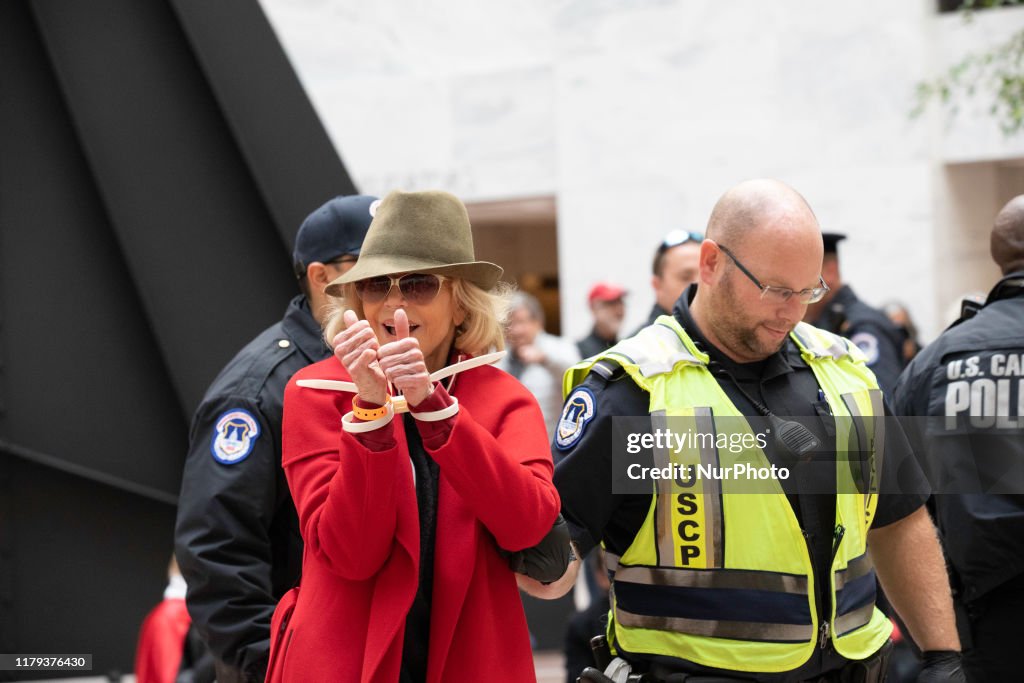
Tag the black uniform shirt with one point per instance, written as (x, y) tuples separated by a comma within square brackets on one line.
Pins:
[(785, 385), (237, 539), (593, 344)]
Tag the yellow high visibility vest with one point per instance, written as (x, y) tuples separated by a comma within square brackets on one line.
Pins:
[(723, 577)]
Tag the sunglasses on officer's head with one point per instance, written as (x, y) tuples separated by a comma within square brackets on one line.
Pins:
[(677, 237), (416, 288)]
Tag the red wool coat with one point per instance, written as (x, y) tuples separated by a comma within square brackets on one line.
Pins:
[(359, 520)]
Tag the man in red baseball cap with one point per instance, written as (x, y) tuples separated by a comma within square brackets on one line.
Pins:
[(608, 307)]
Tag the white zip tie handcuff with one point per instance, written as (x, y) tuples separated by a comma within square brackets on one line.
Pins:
[(398, 404)]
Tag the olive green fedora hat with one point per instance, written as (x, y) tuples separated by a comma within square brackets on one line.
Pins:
[(419, 232)]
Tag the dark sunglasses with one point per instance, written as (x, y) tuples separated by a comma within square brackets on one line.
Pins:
[(416, 288)]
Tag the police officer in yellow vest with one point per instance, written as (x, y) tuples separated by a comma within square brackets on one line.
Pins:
[(723, 577)]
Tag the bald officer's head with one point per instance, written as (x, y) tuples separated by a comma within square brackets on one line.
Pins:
[(1007, 241), (767, 229)]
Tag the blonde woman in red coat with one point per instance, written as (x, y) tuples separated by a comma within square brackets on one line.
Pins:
[(407, 484)]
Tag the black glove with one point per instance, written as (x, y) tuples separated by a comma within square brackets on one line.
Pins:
[(546, 561), (592, 675), (941, 666)]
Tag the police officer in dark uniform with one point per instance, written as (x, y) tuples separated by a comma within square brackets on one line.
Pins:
[(869, 328), (970, 382), (237, 539), (762, 374), (673, 269)]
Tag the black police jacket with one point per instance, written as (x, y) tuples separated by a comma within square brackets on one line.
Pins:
[(971, 382), (237, 539), (871, 330)]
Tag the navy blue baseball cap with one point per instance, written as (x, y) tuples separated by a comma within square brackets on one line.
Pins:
[(334, 230), (831, 241)]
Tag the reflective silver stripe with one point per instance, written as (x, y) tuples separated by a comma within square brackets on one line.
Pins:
[(799, 333), (711, 498), (838, 348), (855, 456), (604, 368), (852, 621), (736, 630), (714, 547), (654, 338), (634, 349), (679, 352), (857, 567), (878, 412), (664, 498), (810, 340), (732, 579), (870, 431), (611, 561)]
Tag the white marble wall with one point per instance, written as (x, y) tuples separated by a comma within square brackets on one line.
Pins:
[(969, 136), (638, 114), (455, 94)]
